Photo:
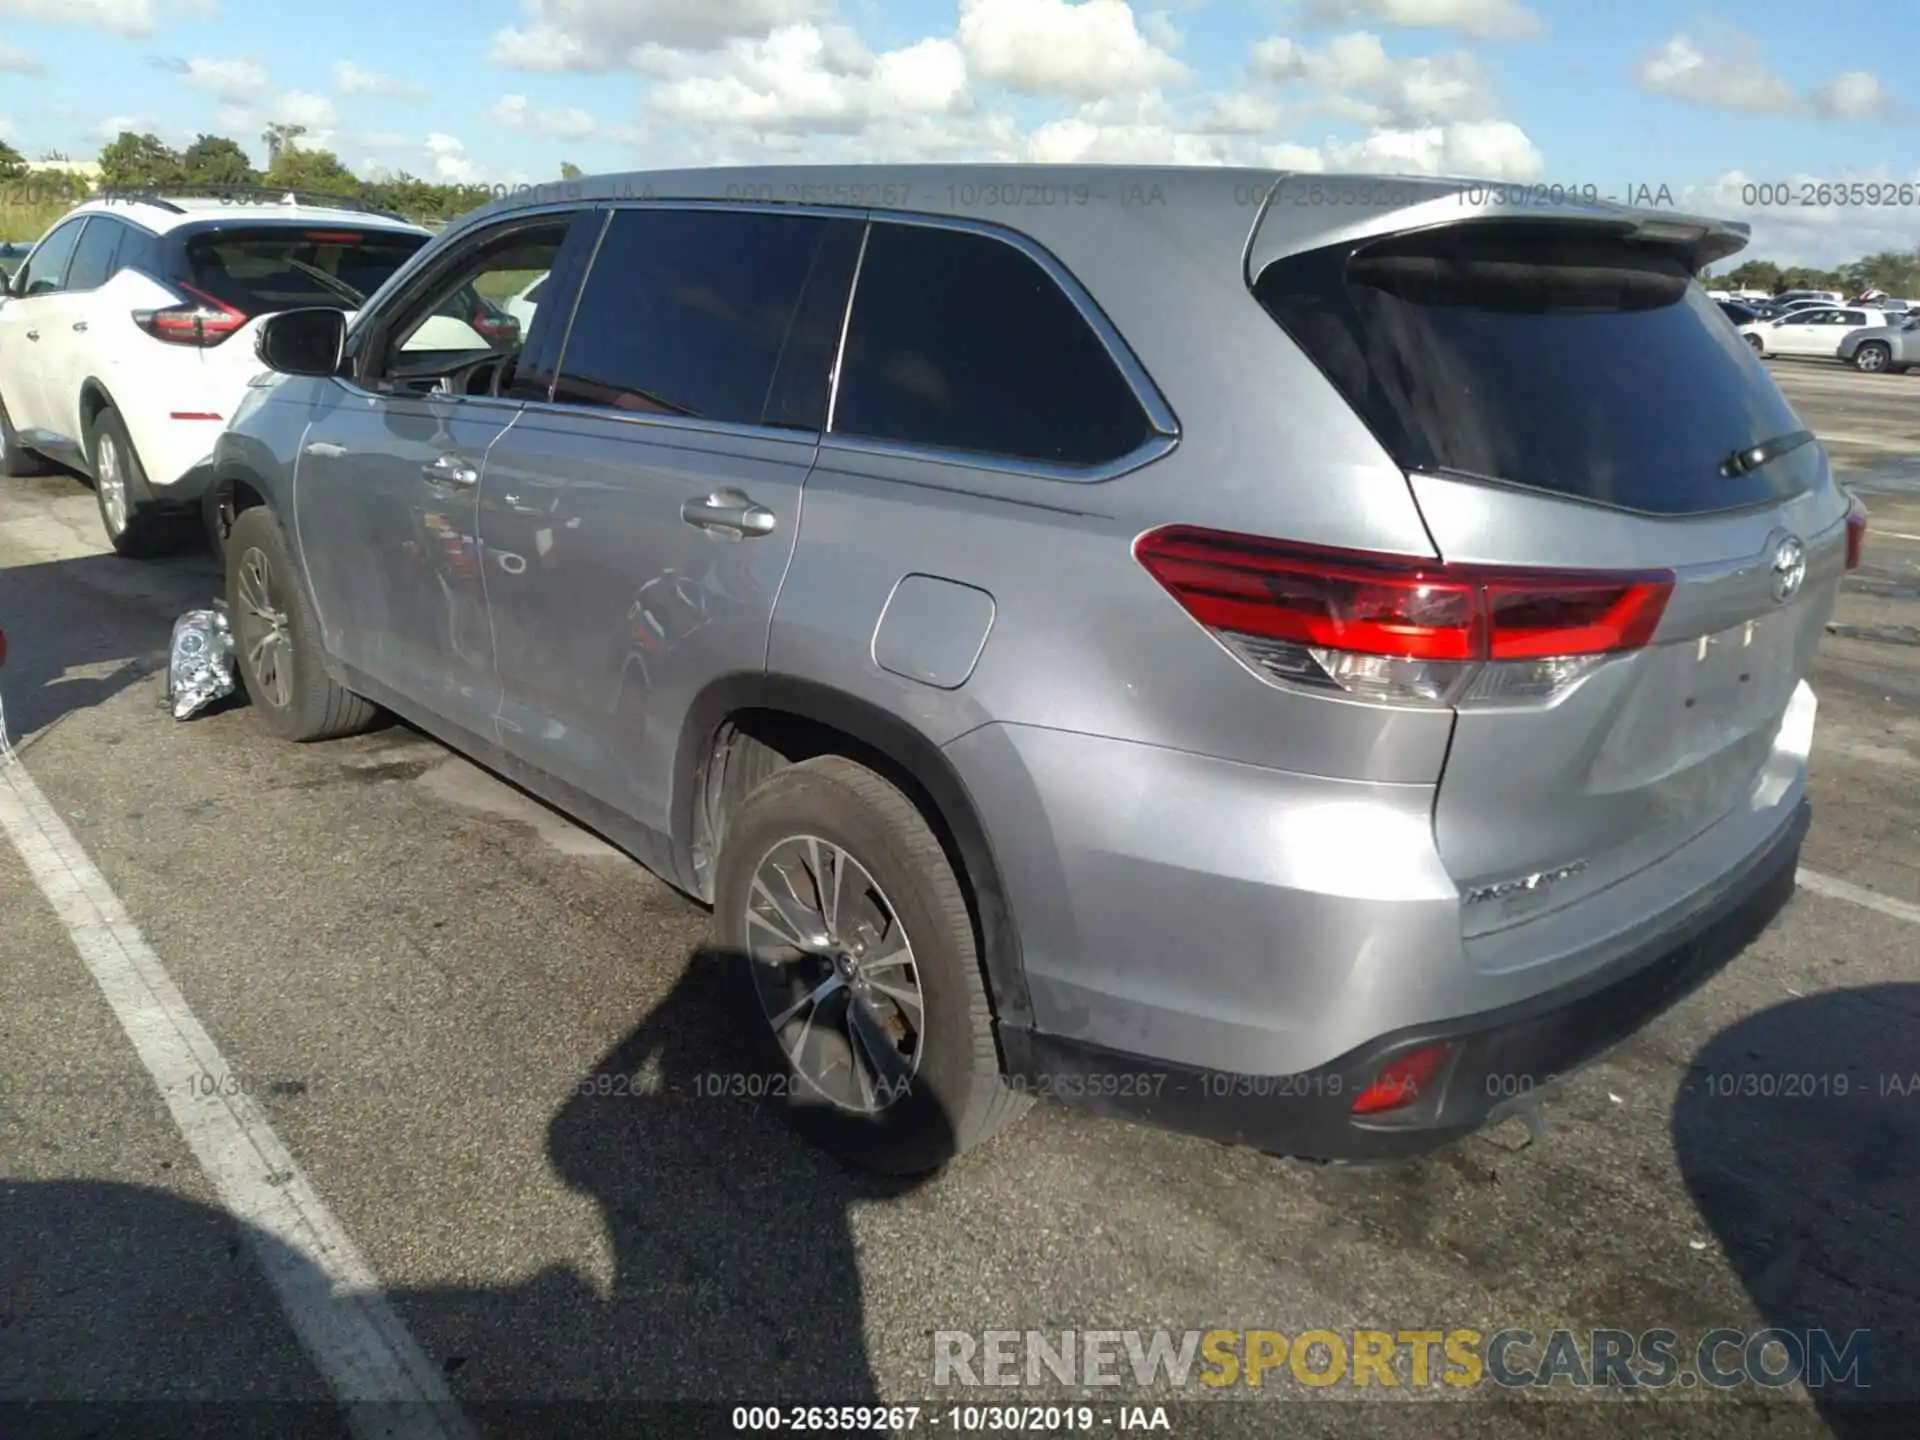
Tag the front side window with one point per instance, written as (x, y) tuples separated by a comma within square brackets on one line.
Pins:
[(961, 341), (728, 316), (46, 271), (467, 311)]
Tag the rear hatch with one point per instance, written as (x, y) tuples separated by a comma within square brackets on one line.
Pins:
[(1564, 397)]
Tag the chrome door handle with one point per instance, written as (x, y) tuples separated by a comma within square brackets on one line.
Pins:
[(80, 326), (728, 510), (33, 334), (450, 470)]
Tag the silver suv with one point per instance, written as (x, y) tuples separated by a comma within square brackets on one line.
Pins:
[(1301, 660)]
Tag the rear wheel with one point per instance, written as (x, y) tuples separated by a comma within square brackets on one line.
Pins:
[(276, 640), (14, 460), (127, 513), (1759, 348), (1873, 357), (851, 950)]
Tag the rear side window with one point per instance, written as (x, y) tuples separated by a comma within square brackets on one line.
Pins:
[(93, 257), (258, 269), (711, 314), (1561, 358), (961, 341)]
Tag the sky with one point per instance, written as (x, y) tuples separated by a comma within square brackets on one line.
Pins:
[(1661, 101)]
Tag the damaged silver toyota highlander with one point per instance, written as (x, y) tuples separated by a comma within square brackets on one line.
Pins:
[(1297, 662)]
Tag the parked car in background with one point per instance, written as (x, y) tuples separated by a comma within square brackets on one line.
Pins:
[(1738, 313), (1812, 331), (1317, 817), (1891, 348), (126, 338), (1830, 297)]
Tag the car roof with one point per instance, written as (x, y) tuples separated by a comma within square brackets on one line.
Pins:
[(160, 212)]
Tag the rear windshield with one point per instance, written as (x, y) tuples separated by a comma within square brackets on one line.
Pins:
[(268, 268), (1560, 358)]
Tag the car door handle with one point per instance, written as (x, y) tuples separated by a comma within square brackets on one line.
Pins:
[(728, 510), (450, 470), (80, 326)]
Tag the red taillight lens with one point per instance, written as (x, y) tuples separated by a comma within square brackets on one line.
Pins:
[(1401, 1082), (1394, 628), (202, 320), (1856, 532)]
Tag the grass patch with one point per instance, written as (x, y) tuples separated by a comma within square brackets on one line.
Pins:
[(502, 285), (25, 221)]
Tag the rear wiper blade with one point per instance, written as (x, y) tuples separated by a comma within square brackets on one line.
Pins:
[(1745, 462), (332, 282)]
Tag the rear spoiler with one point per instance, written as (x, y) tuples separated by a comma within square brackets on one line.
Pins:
[(1306, 211)]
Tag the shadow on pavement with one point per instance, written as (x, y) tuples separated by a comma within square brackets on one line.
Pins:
[(1799, 1137), (734, 1282)]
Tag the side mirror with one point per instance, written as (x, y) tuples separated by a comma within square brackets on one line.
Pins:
[(302, 342)]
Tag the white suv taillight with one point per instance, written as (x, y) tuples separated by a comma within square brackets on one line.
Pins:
[(201, 320), (1386, 628)]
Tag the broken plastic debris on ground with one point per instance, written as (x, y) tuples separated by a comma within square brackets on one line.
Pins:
[(200, 668)]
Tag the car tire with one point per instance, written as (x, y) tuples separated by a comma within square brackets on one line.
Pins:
[(276, 639), (941, 1092), (127, 513), (1759, 346), (16, 462), (1873, 358)]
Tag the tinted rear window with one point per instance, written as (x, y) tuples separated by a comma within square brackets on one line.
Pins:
[(267, 268), (1560, 358), (960, 341)]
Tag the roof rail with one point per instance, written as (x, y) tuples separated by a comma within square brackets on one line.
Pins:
[(163, 197)]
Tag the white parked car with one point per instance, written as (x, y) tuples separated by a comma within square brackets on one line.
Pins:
[(1814, 331), (126, 337)]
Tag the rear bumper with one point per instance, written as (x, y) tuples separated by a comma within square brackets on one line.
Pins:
[(1501, 1059)]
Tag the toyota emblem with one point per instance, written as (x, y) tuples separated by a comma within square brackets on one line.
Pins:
[(1789, 568)]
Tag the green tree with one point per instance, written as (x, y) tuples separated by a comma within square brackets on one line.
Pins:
[(12, 163), (570, 171), (317, 170), (138, 162), (1895, 271), (1754, 275), (216, 160)]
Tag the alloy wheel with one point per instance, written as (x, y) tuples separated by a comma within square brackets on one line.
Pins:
[(835, 973), (111, 482), (264, 636)]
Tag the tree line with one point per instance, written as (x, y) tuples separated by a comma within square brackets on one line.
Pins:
[(145, 162)]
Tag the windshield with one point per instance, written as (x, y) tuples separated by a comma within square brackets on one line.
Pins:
[(262, 269), (1563, 358)]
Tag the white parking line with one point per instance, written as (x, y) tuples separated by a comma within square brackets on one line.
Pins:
[(1837, 889), (385, 1385)]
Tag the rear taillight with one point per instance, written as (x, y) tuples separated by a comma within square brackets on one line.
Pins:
[(1403, 1081), (1856, 532), (200, 320), (1410, 631)]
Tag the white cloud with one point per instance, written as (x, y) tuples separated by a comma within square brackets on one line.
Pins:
[(303, 107), (15, 61), (1055, 47), (1362, 82), (1852, 95), (603, 34), (1723, 68), (315, 113), (1495, 149), (198, 9), (236, 79), (1482, 19), (118, 17), (556, 124), (111, 127), (804, 78), (350, 79), (448, 160)]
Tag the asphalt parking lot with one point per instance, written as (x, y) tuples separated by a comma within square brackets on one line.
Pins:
[(424, 987)]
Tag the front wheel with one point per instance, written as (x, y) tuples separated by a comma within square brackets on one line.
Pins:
[(276, 638), (852, 956), (1872, 357)]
